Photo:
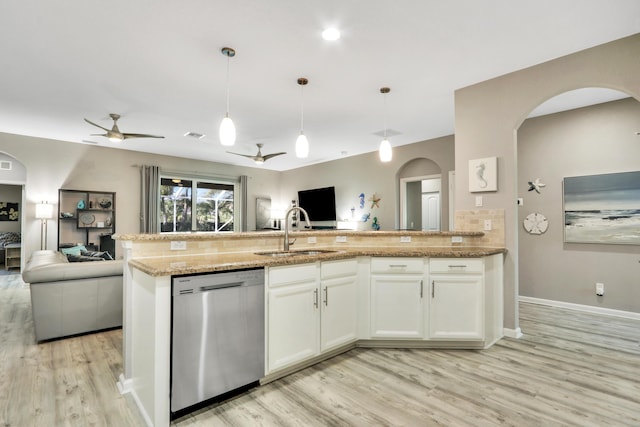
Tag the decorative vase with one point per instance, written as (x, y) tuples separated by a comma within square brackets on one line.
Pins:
[(81, 204), (107, 222)]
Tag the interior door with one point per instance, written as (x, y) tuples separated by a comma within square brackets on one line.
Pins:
[(431, 211)]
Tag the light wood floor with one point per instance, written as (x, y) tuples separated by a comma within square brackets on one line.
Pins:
[(570, 368)]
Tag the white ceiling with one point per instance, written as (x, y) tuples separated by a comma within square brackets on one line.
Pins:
[(158, 64)]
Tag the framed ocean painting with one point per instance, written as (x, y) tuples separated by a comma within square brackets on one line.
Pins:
[(602, 208)]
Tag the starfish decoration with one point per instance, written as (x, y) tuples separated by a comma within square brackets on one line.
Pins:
[(536, 185), (375, 201)]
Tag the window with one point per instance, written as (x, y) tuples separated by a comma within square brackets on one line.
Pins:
[(213, 201)]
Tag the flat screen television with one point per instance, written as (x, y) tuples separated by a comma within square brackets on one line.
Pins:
[(320, 203)]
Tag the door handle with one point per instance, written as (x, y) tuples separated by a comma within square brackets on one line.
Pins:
[(433, 289), (315, 297), (421, 288), (326, 296)]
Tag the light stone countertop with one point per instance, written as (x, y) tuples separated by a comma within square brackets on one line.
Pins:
[(191, 264)]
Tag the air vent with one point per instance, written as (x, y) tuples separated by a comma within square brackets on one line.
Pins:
[(5, 165), (194, 135)]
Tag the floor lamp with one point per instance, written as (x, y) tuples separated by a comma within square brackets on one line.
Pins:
[(44, 212)]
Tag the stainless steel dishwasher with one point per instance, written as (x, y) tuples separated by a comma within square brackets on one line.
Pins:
[(217, 338)]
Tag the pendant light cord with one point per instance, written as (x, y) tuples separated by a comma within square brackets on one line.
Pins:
[(228, 61), (384, 119), (301, 108)]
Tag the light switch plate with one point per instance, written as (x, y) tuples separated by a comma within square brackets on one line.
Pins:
[(341, 239), (478, 201), (311, 239), (178, 245), (405, 239), (520, 201)]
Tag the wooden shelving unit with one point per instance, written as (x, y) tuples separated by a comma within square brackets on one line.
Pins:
[(88, 218), (12, 256)]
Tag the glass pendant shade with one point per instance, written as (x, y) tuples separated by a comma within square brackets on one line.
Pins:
[(385, 151), (227, 131), (302, 146)]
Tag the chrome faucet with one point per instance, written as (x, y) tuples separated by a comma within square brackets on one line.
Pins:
[(286, 225)]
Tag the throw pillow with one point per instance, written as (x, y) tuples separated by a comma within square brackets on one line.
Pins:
[(82, 258), (74, 250), (103, 255)]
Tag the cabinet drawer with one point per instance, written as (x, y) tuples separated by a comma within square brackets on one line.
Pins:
[(456, 265), (397, 265), (279, 276), (338, 268)]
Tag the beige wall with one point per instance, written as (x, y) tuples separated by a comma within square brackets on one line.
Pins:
[(365, 174), (51, 165), (587, 141), (488, 114)]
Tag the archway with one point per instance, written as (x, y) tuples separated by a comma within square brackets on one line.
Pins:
[(420, 182), (13, 178), (594, 139)]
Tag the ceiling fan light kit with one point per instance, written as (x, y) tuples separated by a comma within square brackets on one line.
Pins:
[(227, 128), (302, 144), (385, 151)]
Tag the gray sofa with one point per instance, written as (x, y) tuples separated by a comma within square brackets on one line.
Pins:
[(69, 298)]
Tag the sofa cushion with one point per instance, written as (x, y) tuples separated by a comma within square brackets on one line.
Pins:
[(53, 266)]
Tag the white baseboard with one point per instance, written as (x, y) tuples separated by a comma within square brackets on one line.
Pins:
[(512, 333), (581, 307), (124, 384)]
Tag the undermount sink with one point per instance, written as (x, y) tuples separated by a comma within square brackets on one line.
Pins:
[(296, 253)]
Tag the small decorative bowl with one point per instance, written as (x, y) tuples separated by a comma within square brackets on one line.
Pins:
[(105, 203), (66, 215)]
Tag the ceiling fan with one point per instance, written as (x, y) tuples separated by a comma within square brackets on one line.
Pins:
[(114, 134), (259, 158)]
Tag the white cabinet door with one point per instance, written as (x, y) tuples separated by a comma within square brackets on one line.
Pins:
[(294, 323), (339, 324), (456, 309), (397, 309)]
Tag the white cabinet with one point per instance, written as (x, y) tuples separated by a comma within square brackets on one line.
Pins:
[(456, 303), (293, 316), (312, 308), (339, 294), (397, 297)]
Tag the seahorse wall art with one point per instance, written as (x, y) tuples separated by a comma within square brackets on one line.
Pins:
[(483, 174)]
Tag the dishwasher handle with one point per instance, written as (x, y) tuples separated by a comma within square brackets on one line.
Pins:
[(220, 286)]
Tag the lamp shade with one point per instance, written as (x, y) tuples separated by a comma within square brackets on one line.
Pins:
[(385, 151), (227, 131), (302, 146), (44, 211)]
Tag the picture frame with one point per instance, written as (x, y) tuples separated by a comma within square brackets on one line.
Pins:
[(9, 211), (483, 175), (602, 208)]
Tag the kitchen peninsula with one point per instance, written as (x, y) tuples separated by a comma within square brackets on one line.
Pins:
[(390, 288)]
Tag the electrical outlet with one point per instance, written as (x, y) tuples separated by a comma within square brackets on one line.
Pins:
[(599, 289), (405, 239), (178, 245), (311, 239), (341, 239), (487, 225), (456, 239)]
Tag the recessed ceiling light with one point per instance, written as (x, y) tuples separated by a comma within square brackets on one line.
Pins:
[(331, 34)]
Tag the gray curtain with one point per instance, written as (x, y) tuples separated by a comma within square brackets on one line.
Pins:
[(243, 202), (149, 196)]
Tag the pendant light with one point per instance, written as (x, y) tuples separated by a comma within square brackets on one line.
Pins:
[(227, 128), (385, 146), (302, 145)]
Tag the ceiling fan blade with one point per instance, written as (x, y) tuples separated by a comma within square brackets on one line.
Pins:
[(268, 156), (243, 155), (139, 135), (96, 125), (99, 134)]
